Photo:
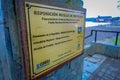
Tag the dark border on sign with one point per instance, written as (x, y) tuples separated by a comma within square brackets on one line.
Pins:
[(52, 68)]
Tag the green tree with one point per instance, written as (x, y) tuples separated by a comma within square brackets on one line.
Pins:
[(68, 1), (118, 6)]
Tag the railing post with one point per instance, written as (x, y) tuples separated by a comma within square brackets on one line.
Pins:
[(116, 40), (95, 36)]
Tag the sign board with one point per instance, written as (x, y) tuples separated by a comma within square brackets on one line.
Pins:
[(55, 35)]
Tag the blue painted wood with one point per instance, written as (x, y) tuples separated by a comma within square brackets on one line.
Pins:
[(4, 62), (10, 59)]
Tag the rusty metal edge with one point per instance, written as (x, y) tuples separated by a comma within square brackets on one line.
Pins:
[(21, 21)]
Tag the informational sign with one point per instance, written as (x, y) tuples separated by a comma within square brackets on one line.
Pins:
[(55, 35)]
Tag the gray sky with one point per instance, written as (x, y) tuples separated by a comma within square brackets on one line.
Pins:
[(101, 7)]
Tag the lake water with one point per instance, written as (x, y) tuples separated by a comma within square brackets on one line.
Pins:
[(91, 24)]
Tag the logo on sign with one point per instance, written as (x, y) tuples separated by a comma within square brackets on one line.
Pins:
[(79, 29)]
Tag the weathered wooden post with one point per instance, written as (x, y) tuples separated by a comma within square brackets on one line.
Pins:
[(41, 39)]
